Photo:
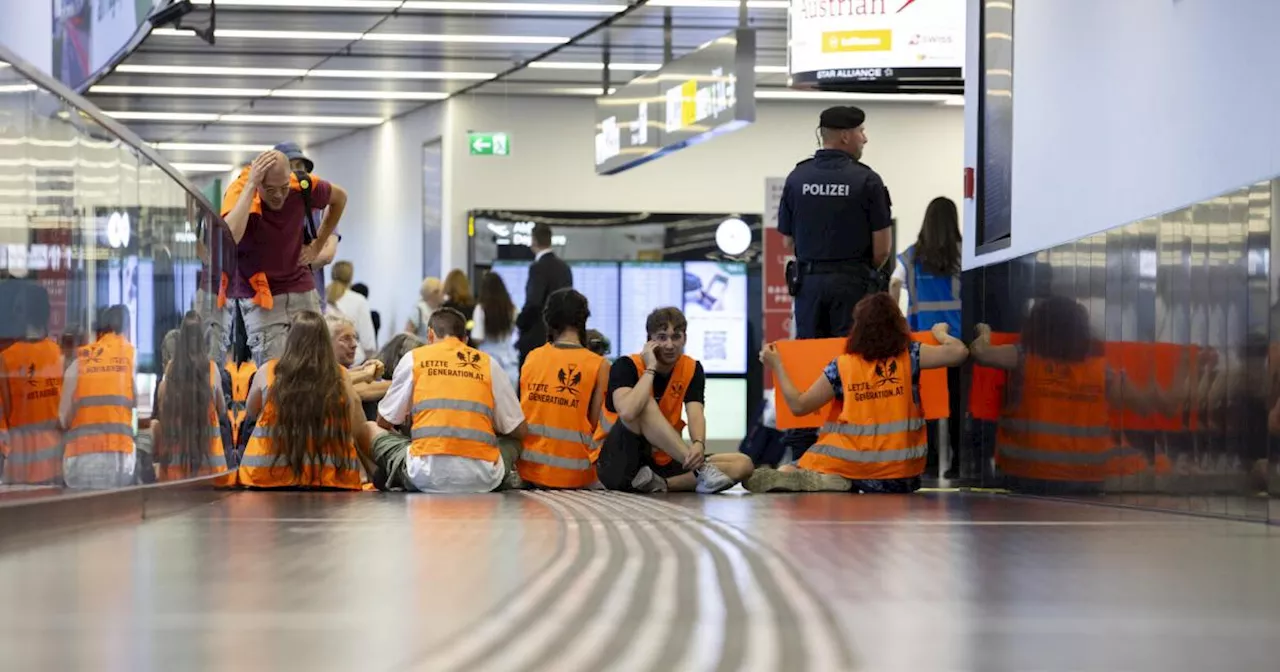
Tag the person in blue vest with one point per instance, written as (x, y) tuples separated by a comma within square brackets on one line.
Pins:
[(930, 270)]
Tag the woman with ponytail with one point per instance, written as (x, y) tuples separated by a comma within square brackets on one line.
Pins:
[(338, 296)]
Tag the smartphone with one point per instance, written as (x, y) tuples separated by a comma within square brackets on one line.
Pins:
[(714, 291)]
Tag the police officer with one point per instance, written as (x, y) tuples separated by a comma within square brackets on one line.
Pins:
[(835, 216)]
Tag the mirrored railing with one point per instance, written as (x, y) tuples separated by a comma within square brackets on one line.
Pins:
[(110, 267), (1147, 363)]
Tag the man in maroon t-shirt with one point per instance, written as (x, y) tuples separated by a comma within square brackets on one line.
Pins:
[(267, 219)]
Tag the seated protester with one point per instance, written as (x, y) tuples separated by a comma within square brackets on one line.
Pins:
[(366, 378), (97, 408), (458, 402), (310, 431), (32, 368), (645, 451), (562, 389), (186, 435), (878, 443)]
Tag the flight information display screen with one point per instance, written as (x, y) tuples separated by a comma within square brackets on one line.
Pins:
[(647, 286), (715, 303), (598, 281)]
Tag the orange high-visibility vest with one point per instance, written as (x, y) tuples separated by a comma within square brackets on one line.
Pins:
[(241, 376), (671, 404), (337, 465), (103, 403), (452, 402), (556, 387), (880, 432), (987, 384), (170, 468), (1057, 428), (33, 374)]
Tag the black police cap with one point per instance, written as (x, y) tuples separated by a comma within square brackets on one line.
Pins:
[(842, 117)]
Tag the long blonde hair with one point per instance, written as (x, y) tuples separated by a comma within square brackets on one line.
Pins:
[(340, 277)]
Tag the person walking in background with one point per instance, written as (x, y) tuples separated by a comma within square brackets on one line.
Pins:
[(930, 269), (363, 290), (353, 306), (493, 325), (457, 294), (547, 274), (431, 299)]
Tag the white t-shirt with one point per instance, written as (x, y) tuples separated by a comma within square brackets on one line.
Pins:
[(477, 325), (356, 309), (447, 474)]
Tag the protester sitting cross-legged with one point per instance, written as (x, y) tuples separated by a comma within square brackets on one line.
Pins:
[(562, 387), (187, 437), (878, 443), (458, 403), (310, 431), (97, 408), (366, 378), (638, 441)]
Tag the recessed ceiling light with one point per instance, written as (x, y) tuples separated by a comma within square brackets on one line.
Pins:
[(207, 147), (202, 167), (210, 70)]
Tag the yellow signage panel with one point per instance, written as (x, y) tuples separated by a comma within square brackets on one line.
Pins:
[(842, 41)]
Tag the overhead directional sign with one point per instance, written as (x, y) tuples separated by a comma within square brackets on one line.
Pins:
[(489, 144), (695, 98)]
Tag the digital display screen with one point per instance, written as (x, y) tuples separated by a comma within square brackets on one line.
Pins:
[(715, 303), (646, 286), (691, 99), (834, 44), (599, 282)]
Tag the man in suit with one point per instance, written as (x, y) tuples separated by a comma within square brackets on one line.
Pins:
[(547, 274)]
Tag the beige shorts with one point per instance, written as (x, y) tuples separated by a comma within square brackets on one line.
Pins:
[(268, 329)]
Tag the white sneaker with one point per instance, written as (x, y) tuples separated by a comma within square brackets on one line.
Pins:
[(648, 482), (711, 480)]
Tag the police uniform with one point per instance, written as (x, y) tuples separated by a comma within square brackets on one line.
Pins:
[(831, 205)]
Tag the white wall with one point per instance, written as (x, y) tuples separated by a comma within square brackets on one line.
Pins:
[(26, 27), (381, 169), (917, 148), (1124, 110)]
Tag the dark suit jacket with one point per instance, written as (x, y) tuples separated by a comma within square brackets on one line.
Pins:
[(546, 275)]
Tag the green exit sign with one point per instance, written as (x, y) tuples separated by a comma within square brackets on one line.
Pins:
[(489, 144)]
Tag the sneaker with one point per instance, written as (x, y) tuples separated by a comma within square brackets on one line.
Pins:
[(765, 479), (648, 482), (772, 480), (711, 480)]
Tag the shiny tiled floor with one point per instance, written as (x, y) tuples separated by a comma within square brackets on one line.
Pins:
[(576, 581)]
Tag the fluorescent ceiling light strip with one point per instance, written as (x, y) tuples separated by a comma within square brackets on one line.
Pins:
[(639, 67), (210, 70), (428, 5), (337, 94), (785, 94), (359, 95), (162, 116), (464, 39), (180, 91), (372, 37), (514, 7), (203, 167), (17, 88), (207, 147), (396, 74), (318, 120), (720, 4)]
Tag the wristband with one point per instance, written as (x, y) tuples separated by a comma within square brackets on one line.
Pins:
[(650, 371)]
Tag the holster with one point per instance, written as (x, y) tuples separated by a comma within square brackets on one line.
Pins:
[(794, 277)]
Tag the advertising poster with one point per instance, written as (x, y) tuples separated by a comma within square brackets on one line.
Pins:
[(715, 303), (840, 41)]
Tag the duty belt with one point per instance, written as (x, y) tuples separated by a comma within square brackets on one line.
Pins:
[(830, 267)]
